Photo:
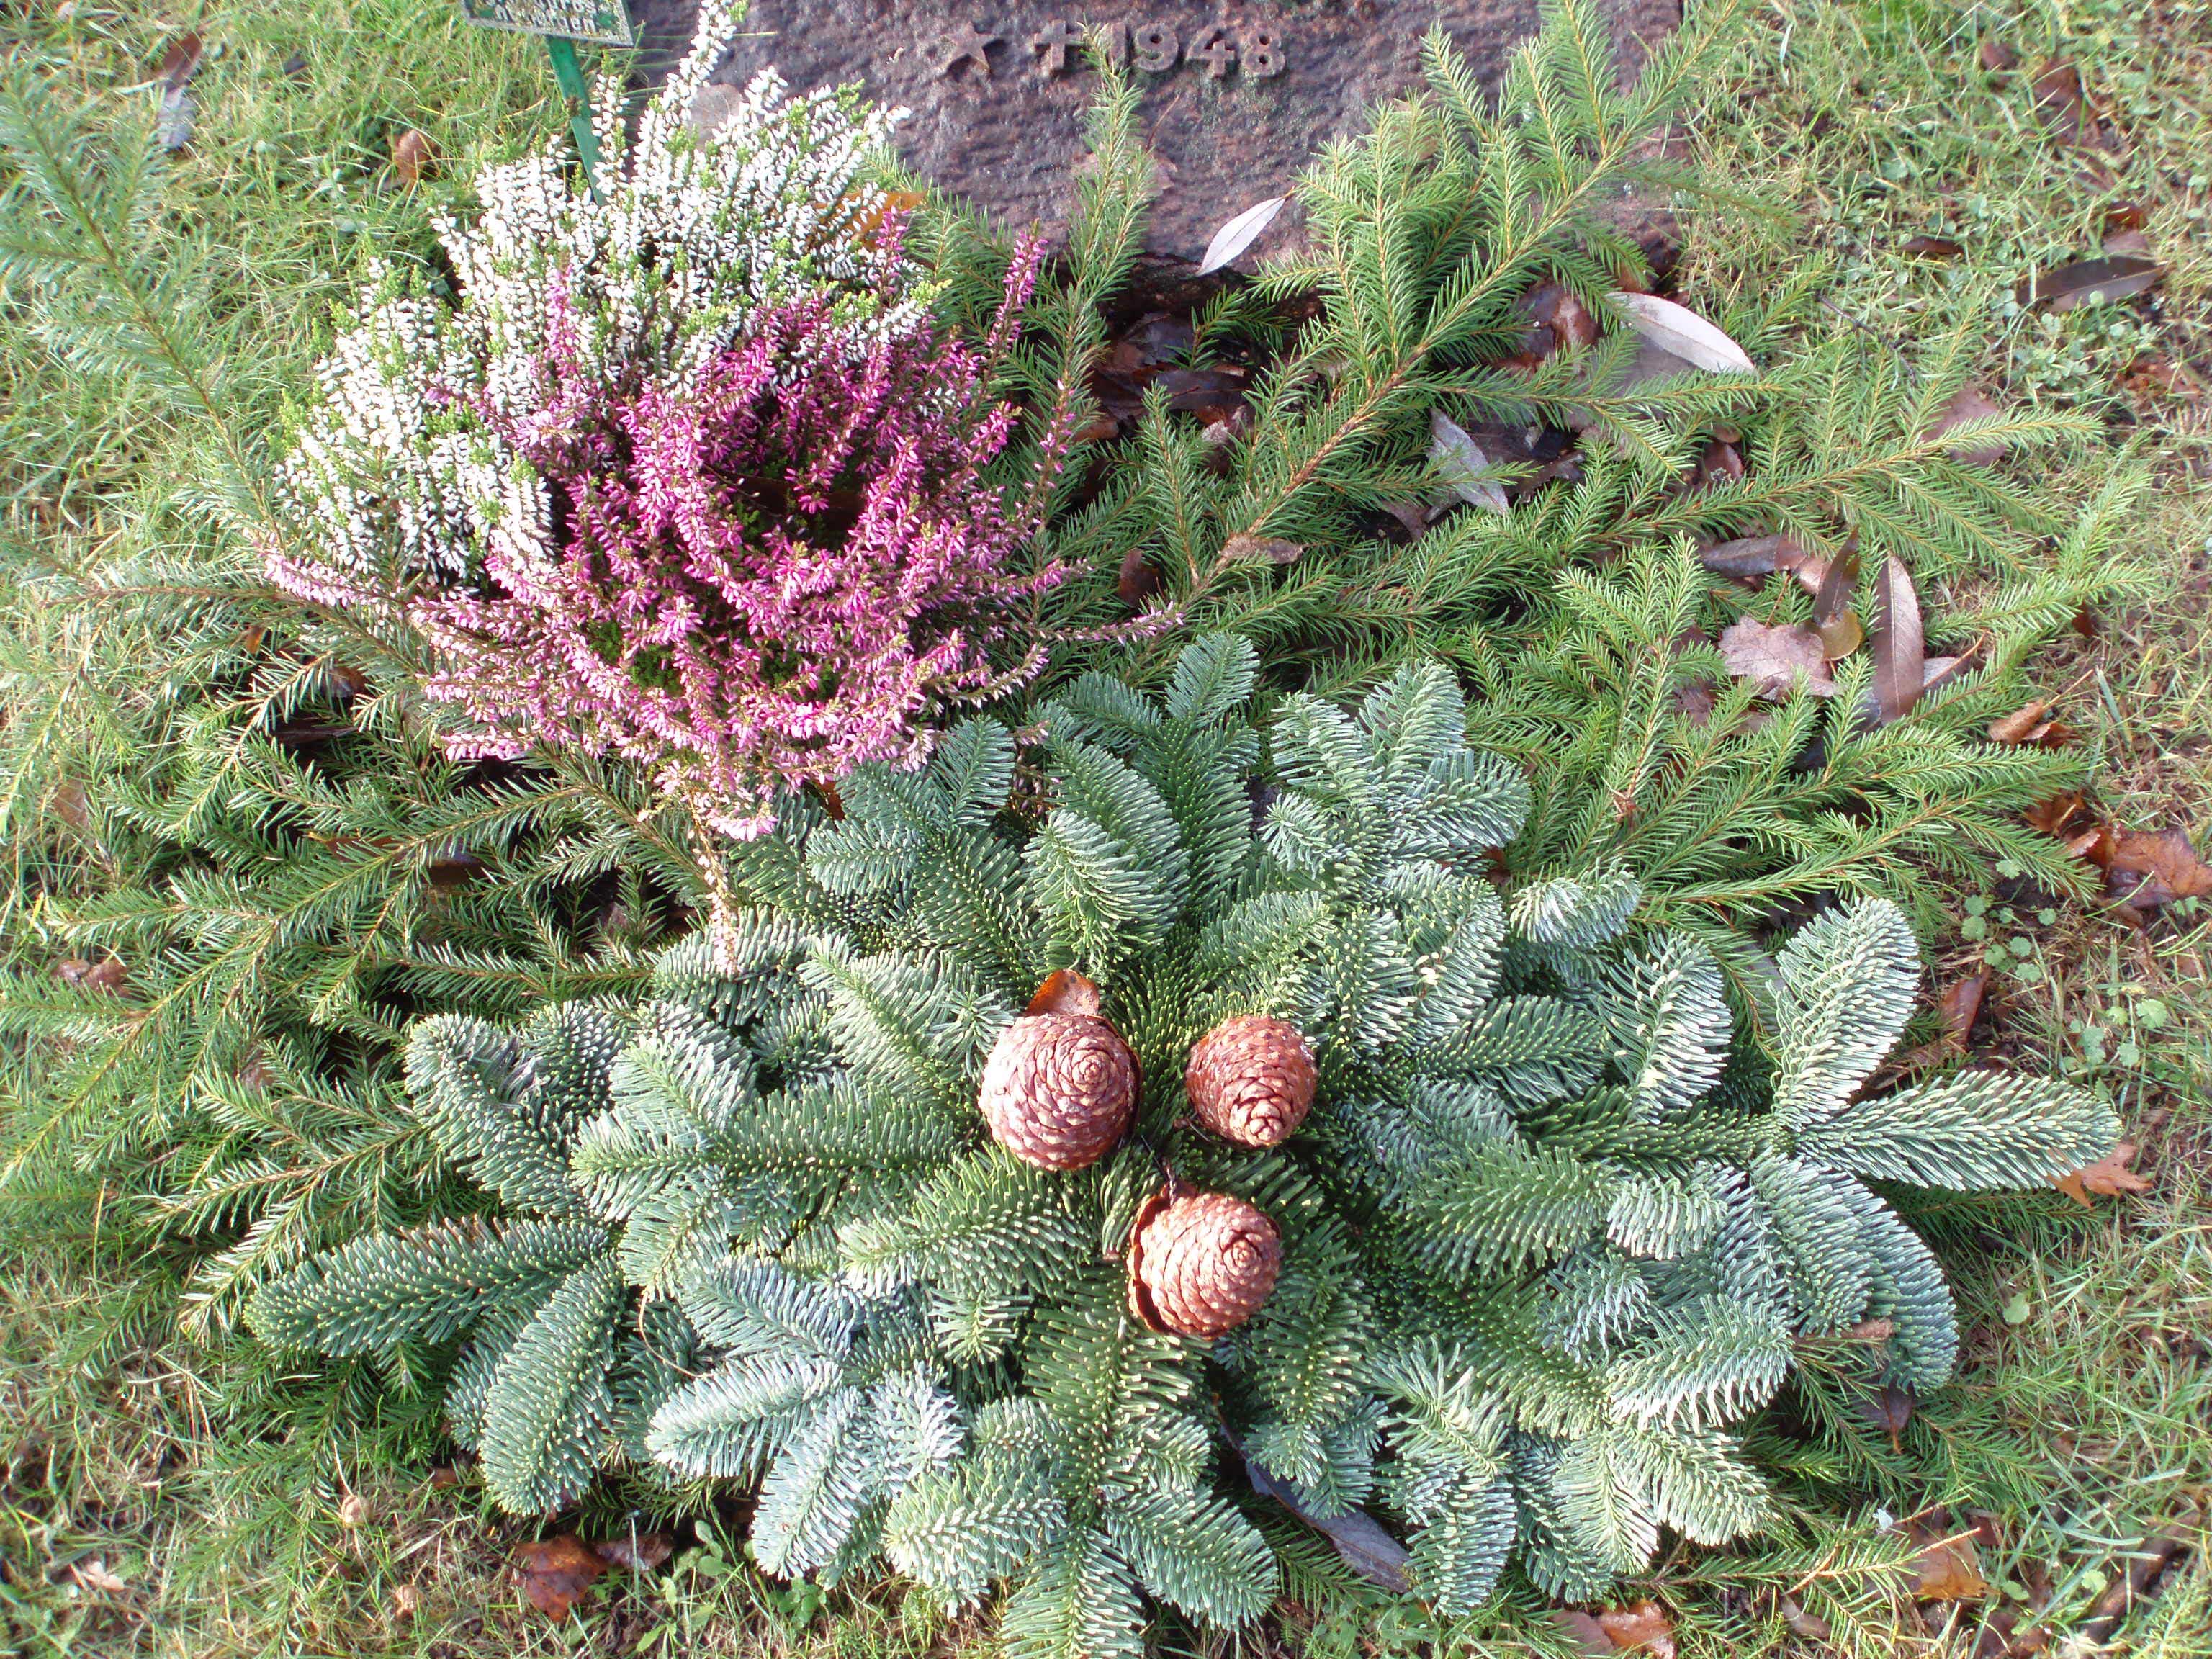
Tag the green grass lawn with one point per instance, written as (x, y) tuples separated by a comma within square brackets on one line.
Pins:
[(165, 1491)]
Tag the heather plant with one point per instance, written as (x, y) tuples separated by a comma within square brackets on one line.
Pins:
[(764, 578), (688, 475), (404, 469)]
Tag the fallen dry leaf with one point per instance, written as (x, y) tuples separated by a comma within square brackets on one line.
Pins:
[(1938, 672), (2109, 1177), (1750, 558), (2146, 868), (1932, 248), (1239, 234), (2027, 726), (556, 1573), (1901, 648), (1948, 1569), (412, 154), (2096, 281), (1841, 634), (181, 62), (105, 975), (1889, 1408), (640, 1552), (1461, 462), (353, 1509), (1968, 403), (1775, 658), (92, 1574), (1960, 1004), (1721, 463), (1995, 57), (2156, 375), (1260, 549), (1639, 1627), (1682, 333), (173, 116), (2015, 727), (1558, 320), (1065, 992), (1695, 703), (1589, 1635), (2060, 102), (2148, 1562), (1803, 1623), (894, 204), (1138, 581), (2062, 816)]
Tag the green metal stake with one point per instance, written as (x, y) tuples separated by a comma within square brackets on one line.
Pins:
[(569, 70)]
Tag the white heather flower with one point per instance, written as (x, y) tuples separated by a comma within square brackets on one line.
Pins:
[(396, 480)]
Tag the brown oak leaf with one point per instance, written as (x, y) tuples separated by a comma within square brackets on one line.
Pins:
[(1639, 1627), (2110, 1175), (2146, 868), (556, 1573), (1775, 659), (1948, 1567)]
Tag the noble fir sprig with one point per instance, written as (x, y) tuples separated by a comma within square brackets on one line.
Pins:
[(1053, 1117)]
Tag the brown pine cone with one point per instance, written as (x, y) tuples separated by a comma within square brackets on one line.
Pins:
[(1251, 1079), (1201, 1265), (1059, 1089)]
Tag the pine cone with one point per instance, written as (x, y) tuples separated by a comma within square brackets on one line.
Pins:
[(1251, 1079), (1059, 1089), (1201, 1265)]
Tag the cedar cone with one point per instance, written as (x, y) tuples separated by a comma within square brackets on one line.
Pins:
[(1201, 1265), (1251, 1079), (1059, 1089)]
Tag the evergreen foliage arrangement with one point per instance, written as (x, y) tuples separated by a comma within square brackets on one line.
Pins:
[(1473, 1206), (1439, 244)]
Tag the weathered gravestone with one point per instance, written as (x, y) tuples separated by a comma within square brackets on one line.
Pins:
[(1237, 94)]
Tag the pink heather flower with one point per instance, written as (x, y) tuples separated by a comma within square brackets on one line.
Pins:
[(760, 580)]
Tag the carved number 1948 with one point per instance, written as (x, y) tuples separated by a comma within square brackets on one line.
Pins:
[(1154, 48)]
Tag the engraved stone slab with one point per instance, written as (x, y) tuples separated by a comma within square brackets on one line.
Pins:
[(1237, 94)]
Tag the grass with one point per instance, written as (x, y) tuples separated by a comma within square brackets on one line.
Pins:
[(172, 1496)]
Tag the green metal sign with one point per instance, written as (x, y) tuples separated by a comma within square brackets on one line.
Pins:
[(564, 22), (604, 23)]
